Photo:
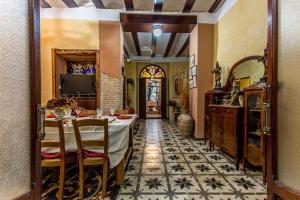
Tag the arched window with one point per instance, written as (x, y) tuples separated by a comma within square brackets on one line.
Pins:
[(152, 71)]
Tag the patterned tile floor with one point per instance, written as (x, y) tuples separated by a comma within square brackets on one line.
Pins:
[(167, 166)]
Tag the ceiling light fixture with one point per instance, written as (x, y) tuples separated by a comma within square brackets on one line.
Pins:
[(157, 30)]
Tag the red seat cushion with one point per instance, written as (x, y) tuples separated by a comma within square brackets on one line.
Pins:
[(46, 155), (93, 153)]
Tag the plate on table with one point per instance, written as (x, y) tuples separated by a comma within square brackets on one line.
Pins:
[(124, 117)]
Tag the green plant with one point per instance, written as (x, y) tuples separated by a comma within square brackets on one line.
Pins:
[(172, 103)]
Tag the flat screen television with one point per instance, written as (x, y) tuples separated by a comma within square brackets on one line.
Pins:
[(78, 85)]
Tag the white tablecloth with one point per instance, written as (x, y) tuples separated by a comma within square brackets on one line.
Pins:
[(118, 138)]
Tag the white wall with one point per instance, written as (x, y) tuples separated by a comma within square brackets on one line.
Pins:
[(14, 99)]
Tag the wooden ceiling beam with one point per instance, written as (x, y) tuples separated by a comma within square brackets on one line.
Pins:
[(44, 4), (129, 5), (70, 3), (99, 4), (215, 6), (170, 43), (153, 45), (188, 6), (159, 19), (158, 5), (184, 46), (136, 43)]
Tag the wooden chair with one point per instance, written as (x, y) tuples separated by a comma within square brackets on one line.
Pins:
[(55, 159), (88, 158)]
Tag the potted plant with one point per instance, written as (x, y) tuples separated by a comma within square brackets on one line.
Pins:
[(172, 106), (185, 120)]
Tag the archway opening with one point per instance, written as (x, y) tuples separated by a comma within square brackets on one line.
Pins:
[(152, 93)]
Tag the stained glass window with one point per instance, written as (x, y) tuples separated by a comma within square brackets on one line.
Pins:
[(152, 71)]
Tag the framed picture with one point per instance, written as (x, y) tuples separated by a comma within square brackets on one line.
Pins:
[(192, 60), (194, 81), (190, 74), (176, 86), (191, 84), (194, 70)]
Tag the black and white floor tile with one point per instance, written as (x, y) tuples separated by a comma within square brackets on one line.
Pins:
[(172, 167), (167, 166)]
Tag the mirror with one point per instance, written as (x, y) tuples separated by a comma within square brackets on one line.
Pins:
[(247, 71)]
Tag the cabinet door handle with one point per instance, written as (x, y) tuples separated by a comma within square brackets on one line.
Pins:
[(40, 122), (267, 112)]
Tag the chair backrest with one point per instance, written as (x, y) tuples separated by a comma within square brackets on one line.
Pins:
[(61, 143), (90, 143)]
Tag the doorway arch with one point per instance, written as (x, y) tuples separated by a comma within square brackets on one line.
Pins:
[(151, 72)]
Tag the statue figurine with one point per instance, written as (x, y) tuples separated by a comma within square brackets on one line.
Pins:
[(234, 93), (217, 71)]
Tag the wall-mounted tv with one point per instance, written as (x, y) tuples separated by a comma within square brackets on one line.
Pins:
[(78, 85)]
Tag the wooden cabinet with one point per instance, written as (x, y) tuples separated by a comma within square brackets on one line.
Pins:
[(88, 103), (211, 97), (254, 139), (226, 129)]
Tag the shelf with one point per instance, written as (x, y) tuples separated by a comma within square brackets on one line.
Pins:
[(254, 110), (254, 133)]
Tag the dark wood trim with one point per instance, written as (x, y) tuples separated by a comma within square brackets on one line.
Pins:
[(35, 95), (136, 43), (69, 54), (129, 5), (275, 188), (99, 4), (285, 192), (228, 83), (184, 46), (161, 19), (188, 5), (126, 52), (70, 3), (153, 45), (215, 6), (170, 43), (27, 196), (166, 28), (158, 5), (45, 4)]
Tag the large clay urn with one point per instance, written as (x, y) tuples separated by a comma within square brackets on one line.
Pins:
[(185, 123)]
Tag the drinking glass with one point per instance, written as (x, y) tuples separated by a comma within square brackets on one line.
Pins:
[(68, 113), (99, 112), (112, 111)]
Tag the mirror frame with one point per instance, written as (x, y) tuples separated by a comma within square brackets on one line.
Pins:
[(228, 85)]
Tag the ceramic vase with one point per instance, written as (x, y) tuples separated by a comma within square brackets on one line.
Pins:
[(185, 123)]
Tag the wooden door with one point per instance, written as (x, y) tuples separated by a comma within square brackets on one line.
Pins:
[(282, 119), (142, 98), (229, 137), (164, 98), (215, 127)]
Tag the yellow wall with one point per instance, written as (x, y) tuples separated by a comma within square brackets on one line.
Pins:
[(240, 33), (63, 34), (172, 68)]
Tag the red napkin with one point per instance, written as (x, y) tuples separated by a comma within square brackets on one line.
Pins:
[(124, 117), (50, 116)]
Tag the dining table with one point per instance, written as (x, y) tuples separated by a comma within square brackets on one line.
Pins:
[(120, 134)]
